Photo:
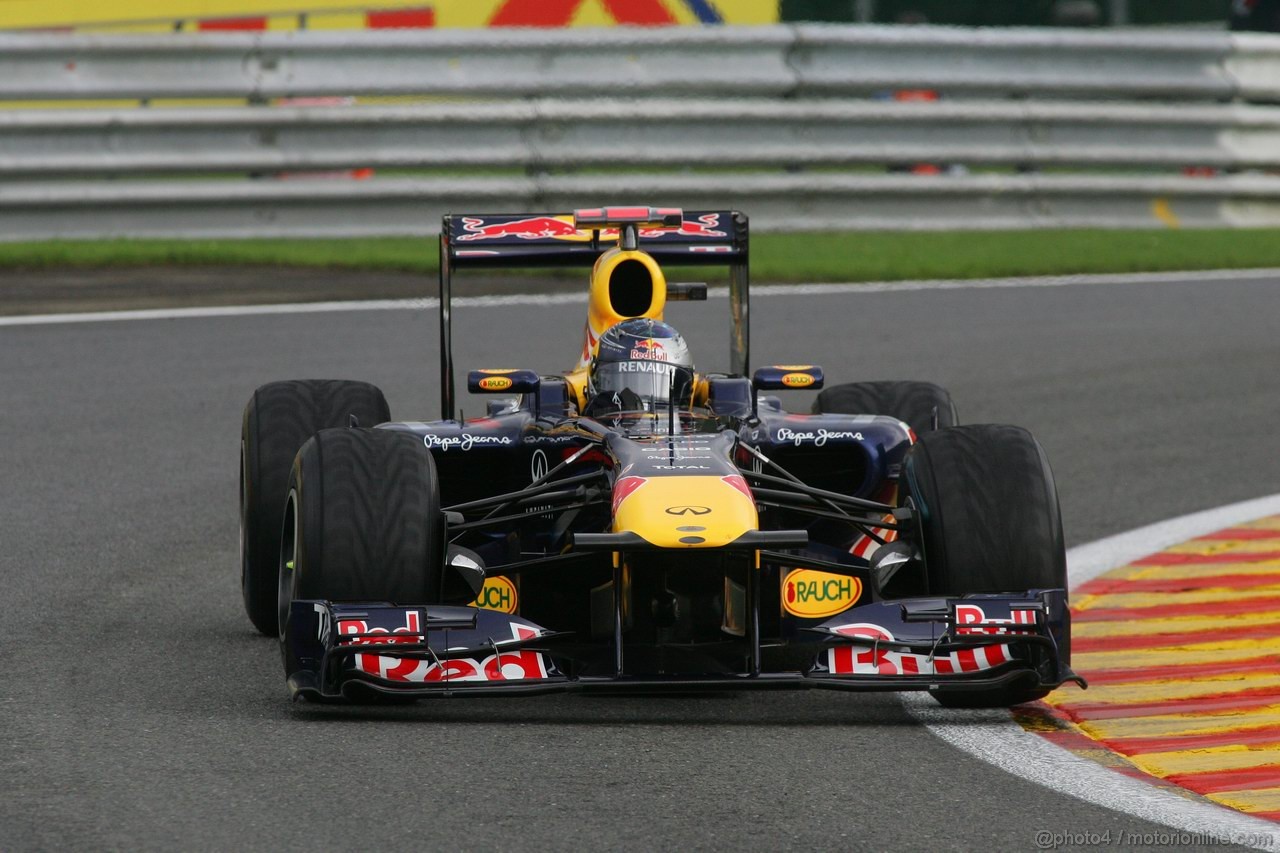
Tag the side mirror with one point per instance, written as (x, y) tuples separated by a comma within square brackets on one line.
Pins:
[(686, 291), (780, 377), (728, 395), (502, 381)]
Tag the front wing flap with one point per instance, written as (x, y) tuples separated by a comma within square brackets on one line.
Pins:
[(330, 647), (973, 642), (951, 643)]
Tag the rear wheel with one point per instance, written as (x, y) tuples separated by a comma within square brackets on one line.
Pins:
[(990, 521), (913, 403), (278, 418), (362, 522)]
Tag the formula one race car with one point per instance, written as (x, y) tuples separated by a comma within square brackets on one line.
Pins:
[(634, 524)]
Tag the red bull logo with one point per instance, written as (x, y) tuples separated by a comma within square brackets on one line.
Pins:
[(649, 349), (532, 228), (562, 228)]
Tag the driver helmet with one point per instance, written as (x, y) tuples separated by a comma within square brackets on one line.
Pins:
[(644, 359)]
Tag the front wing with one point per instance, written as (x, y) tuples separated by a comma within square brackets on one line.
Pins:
[(975, 642)]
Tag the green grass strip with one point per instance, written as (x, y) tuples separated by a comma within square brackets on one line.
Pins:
[(848, 256)]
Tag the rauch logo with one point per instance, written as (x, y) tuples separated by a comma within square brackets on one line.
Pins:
[(813, 594), (498, 594)]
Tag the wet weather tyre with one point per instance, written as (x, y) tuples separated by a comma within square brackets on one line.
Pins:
[(913, 403), (362, 521), (990, 522), (278, 418)]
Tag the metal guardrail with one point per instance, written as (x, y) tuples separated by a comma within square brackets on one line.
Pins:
[(412, 206), (761, 118), (555, 134), (796, 61)]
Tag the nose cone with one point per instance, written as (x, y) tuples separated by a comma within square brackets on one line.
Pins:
[(674, 511)]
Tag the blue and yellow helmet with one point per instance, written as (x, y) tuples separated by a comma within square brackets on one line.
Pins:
[(647, 358)]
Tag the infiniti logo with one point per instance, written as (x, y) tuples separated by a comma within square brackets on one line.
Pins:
[(538, 465), (688, 510)]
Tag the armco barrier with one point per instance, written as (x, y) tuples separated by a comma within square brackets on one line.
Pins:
[(547, 134), (804, 60), (787, 122), (410, 206)]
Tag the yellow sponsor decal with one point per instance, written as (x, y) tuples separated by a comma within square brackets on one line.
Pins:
[(813, 594), (499, 594), (797, 380), (494, 383), (495, 371), (793, 366), (138, 15), (1161, 209)]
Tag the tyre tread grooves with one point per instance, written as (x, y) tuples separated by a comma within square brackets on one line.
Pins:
[(278, 419)]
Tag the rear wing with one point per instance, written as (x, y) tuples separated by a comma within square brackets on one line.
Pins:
[(702, 238)]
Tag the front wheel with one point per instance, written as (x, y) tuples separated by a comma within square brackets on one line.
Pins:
[(362, 523), (990, 522), (278, 418)]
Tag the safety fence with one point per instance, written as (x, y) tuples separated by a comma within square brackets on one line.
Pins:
[(801, 126)]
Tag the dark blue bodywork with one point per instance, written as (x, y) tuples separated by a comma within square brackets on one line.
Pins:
[(876, 643)]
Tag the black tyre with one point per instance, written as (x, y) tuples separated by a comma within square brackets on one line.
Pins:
[(278, 418), (362, 521), (990, 522), (913, 403)]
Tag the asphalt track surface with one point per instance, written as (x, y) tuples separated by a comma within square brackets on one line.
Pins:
[(140, 711)]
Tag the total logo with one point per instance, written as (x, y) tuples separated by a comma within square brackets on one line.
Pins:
[(499, 594), (650, 349), (814, 595)]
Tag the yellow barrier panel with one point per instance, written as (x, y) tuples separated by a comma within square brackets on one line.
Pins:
[(167, 15)]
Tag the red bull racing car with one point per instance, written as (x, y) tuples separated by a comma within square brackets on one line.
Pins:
[(635, 523)]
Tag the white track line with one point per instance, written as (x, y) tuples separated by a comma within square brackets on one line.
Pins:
[(1086, 562), (996, 739), (544, 299)]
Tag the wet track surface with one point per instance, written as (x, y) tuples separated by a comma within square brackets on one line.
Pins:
[(140, 710)]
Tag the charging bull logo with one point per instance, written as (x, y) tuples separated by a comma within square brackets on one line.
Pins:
[(530, 228), (650, 349), (563, 228)]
